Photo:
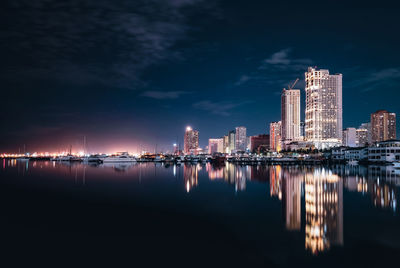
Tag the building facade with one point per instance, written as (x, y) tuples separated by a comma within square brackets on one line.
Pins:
[(362, 137), (323, 108), (215, 146), (275, 136), (385, 151), (259, 142), (290, 114), (232, 141), (191, 141), (226, 144), (241, 139), (383, 126), (350, 137)]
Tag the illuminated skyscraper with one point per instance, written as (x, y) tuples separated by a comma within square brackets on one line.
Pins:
[(323, 108), (350, 137), (191, 140), (226, 144), (275, 136), (290, 112), (232, 141), (383, 126), (241, 139)]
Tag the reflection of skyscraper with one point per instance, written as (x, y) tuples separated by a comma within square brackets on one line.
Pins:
[(291, 201), (275, 181), (324, 210), (191, 140), (190, 176)]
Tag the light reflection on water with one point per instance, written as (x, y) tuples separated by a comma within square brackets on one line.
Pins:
[(313, 194)]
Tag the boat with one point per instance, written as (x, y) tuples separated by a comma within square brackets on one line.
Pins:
[(352, 162), (119, 158), (396, 165)]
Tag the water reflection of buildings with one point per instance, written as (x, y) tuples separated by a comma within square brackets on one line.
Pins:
[(379, 182), (275, 181), (190, 176), (232, 174), (291, 201), (324, 210)]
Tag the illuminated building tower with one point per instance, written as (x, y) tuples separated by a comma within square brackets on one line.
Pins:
[(324, 210), (290, 112), (275, 136), (241, 139), (291, 201), (226, 145), (383, 126), (323, 108), (361, 137), (215, 146), (191, 141), (367, 126), (232, 141)]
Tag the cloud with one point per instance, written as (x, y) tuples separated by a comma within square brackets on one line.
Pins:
[(160, 95), (281, 60), (243, 79), (370, 80), (223, 108), (107, 43)]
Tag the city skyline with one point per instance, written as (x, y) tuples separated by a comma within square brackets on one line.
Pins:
[(166, 68)]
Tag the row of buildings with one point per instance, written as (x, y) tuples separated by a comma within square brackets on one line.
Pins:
[(323, 125), (321, 129)]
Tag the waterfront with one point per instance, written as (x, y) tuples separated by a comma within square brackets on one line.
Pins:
[(199, 214)]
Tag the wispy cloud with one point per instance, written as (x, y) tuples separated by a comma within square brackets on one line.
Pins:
[(370, 80), (160, 95), (223, 108), (282, 60), (242, 79)]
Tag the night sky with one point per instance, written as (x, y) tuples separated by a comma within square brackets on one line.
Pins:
[(132, 74)]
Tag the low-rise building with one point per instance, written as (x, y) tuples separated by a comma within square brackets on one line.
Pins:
[(385, 151), (356, 154)]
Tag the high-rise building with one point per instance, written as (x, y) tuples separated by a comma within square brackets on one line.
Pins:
[(226, 144), (383, 126), (290, 113), (191, 141), (241, 139), (215, 146), (361, 137), (232, 141), (367, 126), (350, 137), (323, 108), (258, 142), (275, 136)]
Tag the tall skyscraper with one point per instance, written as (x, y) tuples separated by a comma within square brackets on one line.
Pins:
[(275, 136), (191, 141), (232, 141), (323, 108), (215, 146), (362, 137), (367, 126), (241, 139), (290, 112), (226, 144), (383, 126)]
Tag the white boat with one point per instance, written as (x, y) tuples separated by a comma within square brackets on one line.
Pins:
[(353, 162), (396, 164), (122, 157)]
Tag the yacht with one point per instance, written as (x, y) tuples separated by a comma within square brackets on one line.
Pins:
[(121, 157), (396, 164)]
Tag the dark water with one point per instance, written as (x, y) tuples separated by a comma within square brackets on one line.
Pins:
[(150, 214)]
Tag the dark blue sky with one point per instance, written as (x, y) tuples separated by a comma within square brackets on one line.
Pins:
[(125, 73)]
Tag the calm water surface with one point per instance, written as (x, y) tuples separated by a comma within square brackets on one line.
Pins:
[(149, 214)]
